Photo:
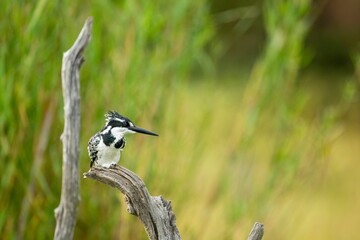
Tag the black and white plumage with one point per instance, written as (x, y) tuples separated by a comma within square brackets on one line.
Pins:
[(105, 146)]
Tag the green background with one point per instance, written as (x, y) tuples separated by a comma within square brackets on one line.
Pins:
[(256, 105)]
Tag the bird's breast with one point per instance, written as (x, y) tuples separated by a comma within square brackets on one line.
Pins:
[(108, 154)]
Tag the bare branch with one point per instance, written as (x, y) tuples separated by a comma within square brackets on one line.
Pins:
[(66, 212), (257, 232), (154, 212)]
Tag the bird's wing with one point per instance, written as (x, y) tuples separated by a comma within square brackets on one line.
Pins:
[(92, 148)]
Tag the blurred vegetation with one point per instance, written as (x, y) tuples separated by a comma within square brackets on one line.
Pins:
[(275, 144)]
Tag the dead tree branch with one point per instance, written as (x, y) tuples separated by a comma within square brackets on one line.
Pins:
[(257, 232), (66, 212), (154, 212)]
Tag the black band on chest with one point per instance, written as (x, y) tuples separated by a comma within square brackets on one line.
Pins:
[(108, 139), (120, 143)]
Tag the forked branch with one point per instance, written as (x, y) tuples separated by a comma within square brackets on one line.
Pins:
[(154, 212)]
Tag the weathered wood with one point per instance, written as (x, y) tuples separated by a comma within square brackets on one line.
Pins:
[(257, 232), (66, 212), (154, 212)]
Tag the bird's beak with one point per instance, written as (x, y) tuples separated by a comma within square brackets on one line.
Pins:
[(141, 130)]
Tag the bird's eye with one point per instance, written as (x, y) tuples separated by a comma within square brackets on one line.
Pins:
[(129, 124)]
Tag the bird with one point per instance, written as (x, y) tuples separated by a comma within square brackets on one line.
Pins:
[(105, 146)]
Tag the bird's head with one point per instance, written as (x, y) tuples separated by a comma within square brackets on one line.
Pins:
[(120, 125)]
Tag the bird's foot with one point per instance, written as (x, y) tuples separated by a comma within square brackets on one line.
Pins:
[(113, 165)]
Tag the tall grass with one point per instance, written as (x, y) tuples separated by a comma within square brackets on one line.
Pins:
[(226, 157), (140, 50)]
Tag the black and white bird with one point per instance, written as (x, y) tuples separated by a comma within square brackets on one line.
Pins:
[(105, 146)]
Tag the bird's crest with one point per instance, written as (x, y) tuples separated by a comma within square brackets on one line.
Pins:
[(110, 115)]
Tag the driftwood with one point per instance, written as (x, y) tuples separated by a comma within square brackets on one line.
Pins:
[(154, 212), (66, 212)]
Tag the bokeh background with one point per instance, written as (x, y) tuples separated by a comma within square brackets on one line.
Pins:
[(256, 103)]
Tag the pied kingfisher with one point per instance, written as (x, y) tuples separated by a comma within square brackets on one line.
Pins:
[(105, 146)]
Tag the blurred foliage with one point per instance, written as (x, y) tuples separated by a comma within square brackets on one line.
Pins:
[(232, 150)]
